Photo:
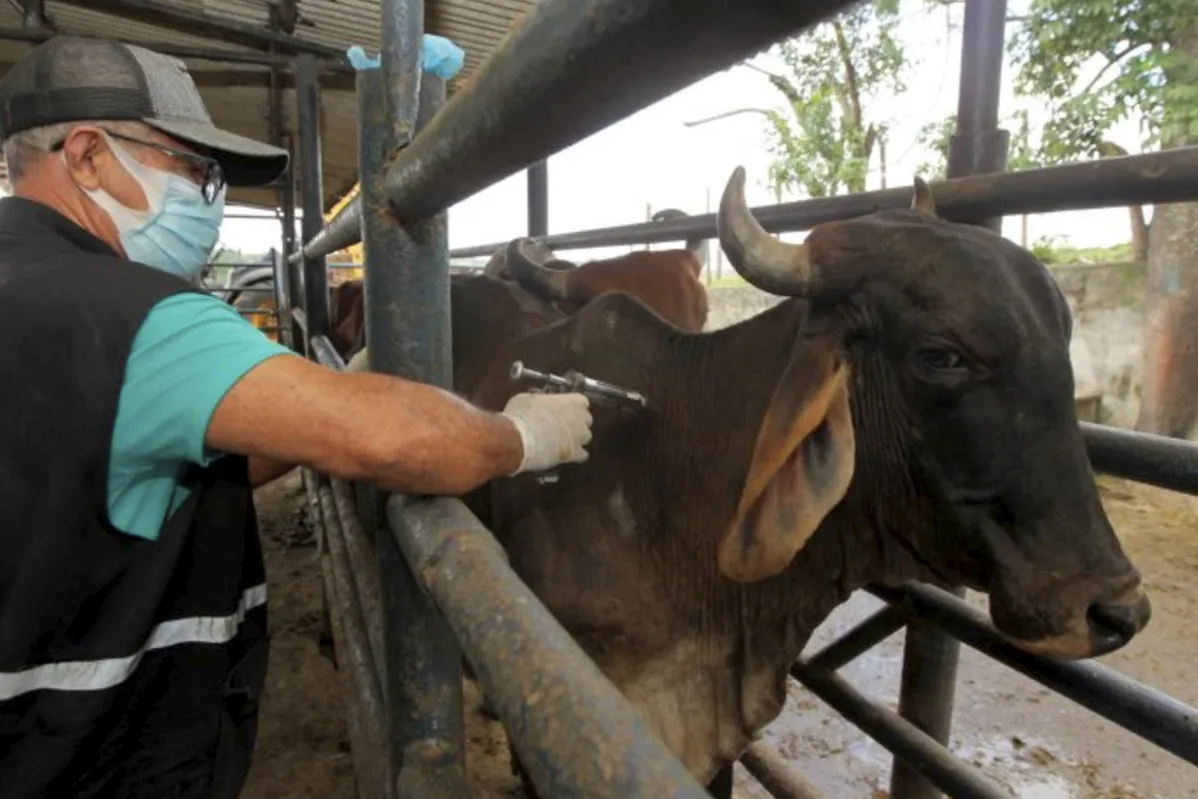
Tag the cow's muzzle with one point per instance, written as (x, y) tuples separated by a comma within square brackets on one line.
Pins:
[(1079, 629)]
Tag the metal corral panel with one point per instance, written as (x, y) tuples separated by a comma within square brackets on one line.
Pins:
[(237, 94)]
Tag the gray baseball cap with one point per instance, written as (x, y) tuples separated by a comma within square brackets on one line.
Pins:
[(71, 78)]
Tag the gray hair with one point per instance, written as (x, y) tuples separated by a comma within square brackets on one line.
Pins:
[(21, 149)]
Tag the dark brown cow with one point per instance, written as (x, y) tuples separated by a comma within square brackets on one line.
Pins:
[(347, 317), (907, 413)]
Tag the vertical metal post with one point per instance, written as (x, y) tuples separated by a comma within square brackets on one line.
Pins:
[(316, 277), (930, 656), (538, 199), (408, 334), (285, 287), (979, 146), (294, 272)]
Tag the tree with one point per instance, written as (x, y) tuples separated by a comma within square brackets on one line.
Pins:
[(1023, 152), (1147, 70), (822, 138)]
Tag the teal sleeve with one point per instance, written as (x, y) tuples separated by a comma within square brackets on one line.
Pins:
[(190, 350)]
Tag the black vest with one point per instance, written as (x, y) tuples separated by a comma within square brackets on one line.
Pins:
[(128, 668)]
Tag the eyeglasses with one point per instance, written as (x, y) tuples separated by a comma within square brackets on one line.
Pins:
[(206, 171)]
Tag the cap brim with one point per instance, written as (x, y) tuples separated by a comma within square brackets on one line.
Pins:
[(246, 162)]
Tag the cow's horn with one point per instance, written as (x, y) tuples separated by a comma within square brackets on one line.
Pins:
[(769, 264), (921, 198), (550, 284)]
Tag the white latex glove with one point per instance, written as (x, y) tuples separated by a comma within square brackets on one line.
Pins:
[(360, 362), (555, 429)]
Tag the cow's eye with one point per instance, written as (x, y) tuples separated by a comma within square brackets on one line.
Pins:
[(939, 359)]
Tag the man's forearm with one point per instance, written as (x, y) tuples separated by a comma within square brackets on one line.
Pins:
[(403, 436), (419, 439)]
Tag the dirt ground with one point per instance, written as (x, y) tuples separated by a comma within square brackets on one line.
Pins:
[(1039, 745)]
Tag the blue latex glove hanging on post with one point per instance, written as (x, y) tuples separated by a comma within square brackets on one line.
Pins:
[(439, 56), (442, 57)]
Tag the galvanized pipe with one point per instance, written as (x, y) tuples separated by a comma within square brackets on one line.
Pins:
[(316, 278), (408, 334), (575, 733), (570, 69), (360, 551), (324, 353), (1168, 176), (538, 198), (901, 737), (978, 146), (860, 639), (363, 696), (1146, 458), (1145, 711), (776, 775), (301, 320)]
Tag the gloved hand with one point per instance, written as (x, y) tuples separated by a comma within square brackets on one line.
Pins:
[(360, 362), (554, 428)]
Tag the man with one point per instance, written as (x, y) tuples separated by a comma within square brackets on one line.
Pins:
[(138, 415)]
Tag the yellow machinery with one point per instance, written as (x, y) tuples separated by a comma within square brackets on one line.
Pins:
[(351, 254)]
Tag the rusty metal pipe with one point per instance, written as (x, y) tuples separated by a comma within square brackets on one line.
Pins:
[(363, 697), (575, 733), (1141, 709), (900, 736), (568, 70), (363, 566), (407, 332), (776, 775), (860, 639), (1168, 176)]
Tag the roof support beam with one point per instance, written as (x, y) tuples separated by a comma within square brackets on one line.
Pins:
[(199, 53), (198, 23)]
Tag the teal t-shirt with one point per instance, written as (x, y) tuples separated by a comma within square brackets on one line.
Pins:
[(191, 349)]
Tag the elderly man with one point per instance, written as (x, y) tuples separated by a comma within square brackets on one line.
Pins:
[(138, 416)]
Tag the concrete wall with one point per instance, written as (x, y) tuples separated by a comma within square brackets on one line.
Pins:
[(1108, 319)]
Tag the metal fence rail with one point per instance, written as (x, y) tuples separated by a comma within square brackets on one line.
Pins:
[(445, 586), (1163, 177), (569, 69)]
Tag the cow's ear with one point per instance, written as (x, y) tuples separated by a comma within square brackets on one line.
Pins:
[(801, 468)]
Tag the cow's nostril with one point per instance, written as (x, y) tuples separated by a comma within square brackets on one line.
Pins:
[(1119, 620)]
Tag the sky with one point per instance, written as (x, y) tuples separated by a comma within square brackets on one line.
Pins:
[(653, 160)]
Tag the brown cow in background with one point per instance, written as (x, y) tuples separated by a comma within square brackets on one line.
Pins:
[(667, 281)]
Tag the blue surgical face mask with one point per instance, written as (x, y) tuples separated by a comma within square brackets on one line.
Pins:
[(178, 230)]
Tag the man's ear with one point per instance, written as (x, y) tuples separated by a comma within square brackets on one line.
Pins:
[(802, 465), (80, 150)]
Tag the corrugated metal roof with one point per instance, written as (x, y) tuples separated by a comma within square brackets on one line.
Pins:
[(477, 26)]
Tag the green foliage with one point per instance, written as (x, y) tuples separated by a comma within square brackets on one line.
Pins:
[(1053, 252), (822, 140), (1147, 56)]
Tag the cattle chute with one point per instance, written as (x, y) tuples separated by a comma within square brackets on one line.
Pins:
[(501, 107), (408, 610)]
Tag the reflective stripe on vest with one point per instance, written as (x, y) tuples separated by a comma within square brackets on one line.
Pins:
[(96, 675)]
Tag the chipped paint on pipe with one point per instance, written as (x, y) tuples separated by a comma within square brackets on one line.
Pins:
[(407, 331), (900, 736), (1138, 708), (363, 566), (569, 69), (575, 733), (776, 776), (363, 697)]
